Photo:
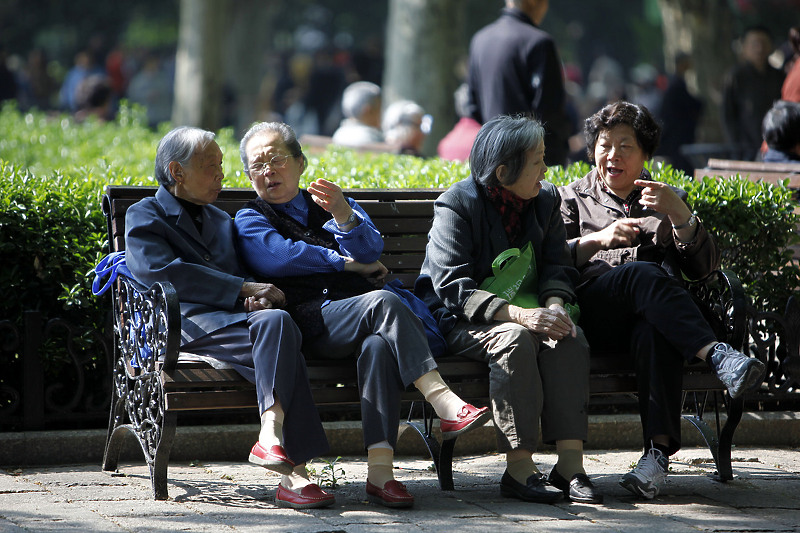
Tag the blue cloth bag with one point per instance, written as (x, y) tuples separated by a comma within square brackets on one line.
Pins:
[(436, 340), (111, 264), (108, 269)]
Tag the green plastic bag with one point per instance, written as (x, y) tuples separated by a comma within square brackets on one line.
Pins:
[(516, 280)]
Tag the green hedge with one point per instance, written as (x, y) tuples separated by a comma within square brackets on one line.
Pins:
[(52, 231)]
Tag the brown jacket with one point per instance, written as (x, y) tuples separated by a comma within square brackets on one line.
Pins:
[(586, 208)]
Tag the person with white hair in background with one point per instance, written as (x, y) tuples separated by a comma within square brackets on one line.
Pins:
[(361, 107), (405, 127)]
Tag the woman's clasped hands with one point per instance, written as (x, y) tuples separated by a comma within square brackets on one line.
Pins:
[(553, 321)]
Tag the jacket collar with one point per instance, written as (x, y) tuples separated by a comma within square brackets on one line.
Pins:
[(518, 14), (591, 187), (173, 208)]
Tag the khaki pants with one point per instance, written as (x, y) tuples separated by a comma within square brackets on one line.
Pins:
[(529, 380)]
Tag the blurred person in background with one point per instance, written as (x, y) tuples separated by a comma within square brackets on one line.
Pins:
[(456, 145), (37, 86), (791, 85), (94, 98), (406, 126), (82, 69), (782, 133), (514, 68), (680, 113), (8, 82), (361, 107), (152, 88), (750, 89)]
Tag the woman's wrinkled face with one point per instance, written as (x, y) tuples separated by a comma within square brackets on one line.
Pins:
[(199, 181), (619, 158), (274, 172), (530, 179)]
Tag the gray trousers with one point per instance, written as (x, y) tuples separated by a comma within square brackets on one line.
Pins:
[(528, 380), (266, 351), (391, 352)]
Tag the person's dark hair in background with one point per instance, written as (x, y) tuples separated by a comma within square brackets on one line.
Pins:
[(781, 129)]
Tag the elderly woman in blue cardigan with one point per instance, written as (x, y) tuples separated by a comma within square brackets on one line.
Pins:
[(321, 249), (538, 360)]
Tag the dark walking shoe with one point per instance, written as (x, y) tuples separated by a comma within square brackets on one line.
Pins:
[(735, 370), (536, 490), (578, 489)]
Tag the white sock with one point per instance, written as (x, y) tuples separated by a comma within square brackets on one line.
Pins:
[(380, 460), (271, 433), (297, 479), (444, 401)]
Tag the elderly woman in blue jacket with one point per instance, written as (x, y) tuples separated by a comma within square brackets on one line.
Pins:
[(322, 250), (538, 360)]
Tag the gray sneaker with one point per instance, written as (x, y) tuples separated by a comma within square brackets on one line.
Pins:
[(737, 372), (650, 473)]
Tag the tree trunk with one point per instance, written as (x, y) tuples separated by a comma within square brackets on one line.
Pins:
[(199, 70), (247, 51), (424, 43), (703, 29)]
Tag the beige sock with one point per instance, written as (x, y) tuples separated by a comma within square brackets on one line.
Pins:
[(297, 479), (379, 465), (445, 402), (271, 426), (520, 465), (570, 462)]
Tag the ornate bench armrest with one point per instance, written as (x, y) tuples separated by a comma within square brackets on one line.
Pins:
[(147, 325), (722, 300)]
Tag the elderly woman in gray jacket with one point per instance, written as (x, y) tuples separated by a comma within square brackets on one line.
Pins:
[(631, 238), (538, 359)]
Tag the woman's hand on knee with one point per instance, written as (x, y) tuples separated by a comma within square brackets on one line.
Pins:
[(553, 321)]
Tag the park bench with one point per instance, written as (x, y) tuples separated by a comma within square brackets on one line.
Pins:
[(150, 392)]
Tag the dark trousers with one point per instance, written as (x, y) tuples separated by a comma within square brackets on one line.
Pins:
[(640, 309), (266, 351), (391, 352)]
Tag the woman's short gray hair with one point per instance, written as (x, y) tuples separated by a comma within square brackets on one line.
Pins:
[(179, 145), (504, 140), (401, 120), (357, 96), (287, 134)]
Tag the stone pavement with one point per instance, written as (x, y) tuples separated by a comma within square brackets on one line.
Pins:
[(235, 496)]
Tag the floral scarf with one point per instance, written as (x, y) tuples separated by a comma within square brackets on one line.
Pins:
[(510, 207)]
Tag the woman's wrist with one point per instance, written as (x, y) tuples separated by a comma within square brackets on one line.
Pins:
[(349, 220)]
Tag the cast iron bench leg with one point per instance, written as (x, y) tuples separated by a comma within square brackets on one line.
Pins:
[(115, 433), (441, 454), (158, 468), (735, 410)]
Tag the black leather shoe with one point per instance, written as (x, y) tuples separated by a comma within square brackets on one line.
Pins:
[(536, 490), (579, 489)]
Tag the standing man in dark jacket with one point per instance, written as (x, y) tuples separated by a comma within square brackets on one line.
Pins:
[(514, 68), (750, 89)]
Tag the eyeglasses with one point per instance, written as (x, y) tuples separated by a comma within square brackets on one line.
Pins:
[(277, 162)]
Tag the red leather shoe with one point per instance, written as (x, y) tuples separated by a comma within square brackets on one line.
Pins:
[(309, 497), (274, 459), (470, 417), (393, 494)]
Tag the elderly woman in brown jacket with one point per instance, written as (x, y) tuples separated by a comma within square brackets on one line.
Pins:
[(632, 238)]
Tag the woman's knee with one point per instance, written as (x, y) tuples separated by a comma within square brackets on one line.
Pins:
[(513, 341)]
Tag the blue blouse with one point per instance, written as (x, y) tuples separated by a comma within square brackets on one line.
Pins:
[(267, 253)]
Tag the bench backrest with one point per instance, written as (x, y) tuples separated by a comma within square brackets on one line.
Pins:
[(753, 170), (403, 216)]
